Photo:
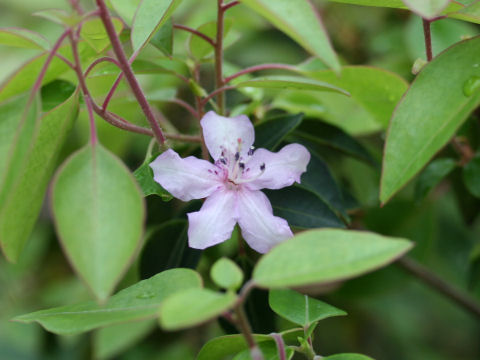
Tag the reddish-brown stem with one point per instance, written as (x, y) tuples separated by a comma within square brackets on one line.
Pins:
[(205, 100), (127, 71), (230, 5), (186, 106), (219, 82), (195, 32), (100, 60), (428, 39), (243, 325), (75, 4), (282, 353), (259, 68), (65, 60)]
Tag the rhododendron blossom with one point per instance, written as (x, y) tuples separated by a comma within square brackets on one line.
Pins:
[(232, 183)]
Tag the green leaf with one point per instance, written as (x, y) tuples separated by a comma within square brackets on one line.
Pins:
[(166, 248), (300, 309), (432, 175), (325, 256), (269, 351), (269, 134), (226, 274), (376, 90), (427, 118), (23, 38), (302, 208), (319, 180), (193, 307), (427, 9), (21, 206), (200, 48), (163, 38), (315, 131), (149, 17), (99, 214), (55, 93), (113, 340), (144, 176), (94, 33), (223, 346), (59, 16), (290, 82), (126, 9), (471, 176), (347, 357), (138, 302), (299, 20)]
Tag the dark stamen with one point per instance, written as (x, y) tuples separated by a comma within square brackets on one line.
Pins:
[(262, 167), (237, 156), (241, 165), (251, 150), (223, 161)]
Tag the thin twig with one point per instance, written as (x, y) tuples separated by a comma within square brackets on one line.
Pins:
[(100, 60), (216, 92), (65, 60), (259, 68), (186, 106), (426, 276), (127, 71), (195, 32), (282, 353), (427, 33), (219, 82), (244, 327), (230, 5)]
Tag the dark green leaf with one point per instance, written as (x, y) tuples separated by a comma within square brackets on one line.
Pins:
[(302, 208), (269, 134), (432, 175), (471, 176), (163, 38), (56, 93), (348, 357), (149, 186)]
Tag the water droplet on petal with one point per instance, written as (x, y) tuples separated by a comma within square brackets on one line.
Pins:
[(471, 85), (146, 295)]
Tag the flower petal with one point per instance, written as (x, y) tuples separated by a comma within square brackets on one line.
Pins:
[(223, 133), (186, 179), (260, 228), (281, 169), (214, 222)]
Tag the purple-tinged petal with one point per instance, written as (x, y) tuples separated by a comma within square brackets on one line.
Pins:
[(186, 179), (260, 228), (281, 169), (223, 133), (214, 222)]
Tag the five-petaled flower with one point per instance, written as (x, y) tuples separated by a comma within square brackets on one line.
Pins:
[(231, 185)]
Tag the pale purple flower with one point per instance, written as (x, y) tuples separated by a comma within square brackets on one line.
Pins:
[(231, 185)]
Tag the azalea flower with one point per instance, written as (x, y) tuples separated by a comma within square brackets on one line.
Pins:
[(232, 183)]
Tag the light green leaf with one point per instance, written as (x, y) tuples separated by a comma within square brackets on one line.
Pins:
[(149, 17), (290, 82), (99, 214), (300, 309), (432, 175), (269, 351), (113, 340), (193, 307), (427, 118), (125, 9), (299, 20), (226, 274), (59, 16), (23, 38), (22, 203), (348, 357), (471, 176), (144, 177), (325, 256), (427, 9), (93, 32), (137, 302)]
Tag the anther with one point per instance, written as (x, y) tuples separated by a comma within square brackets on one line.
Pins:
[(262, 167), (223, 161), (241, 165), (237, 156), (251, 150)]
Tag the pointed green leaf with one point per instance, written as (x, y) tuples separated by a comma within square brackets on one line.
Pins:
[(137, 302), (94, 33), (99, 215), (59, 16), (299, 20), (290, 82), (270, 133), (325, 256), (23, 38), (427, 9), (144, 176), (226, 274), (149, 17), (193, 307), (299, 308), (427, 117), (163, 38), (22, 204), (126, 9)]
